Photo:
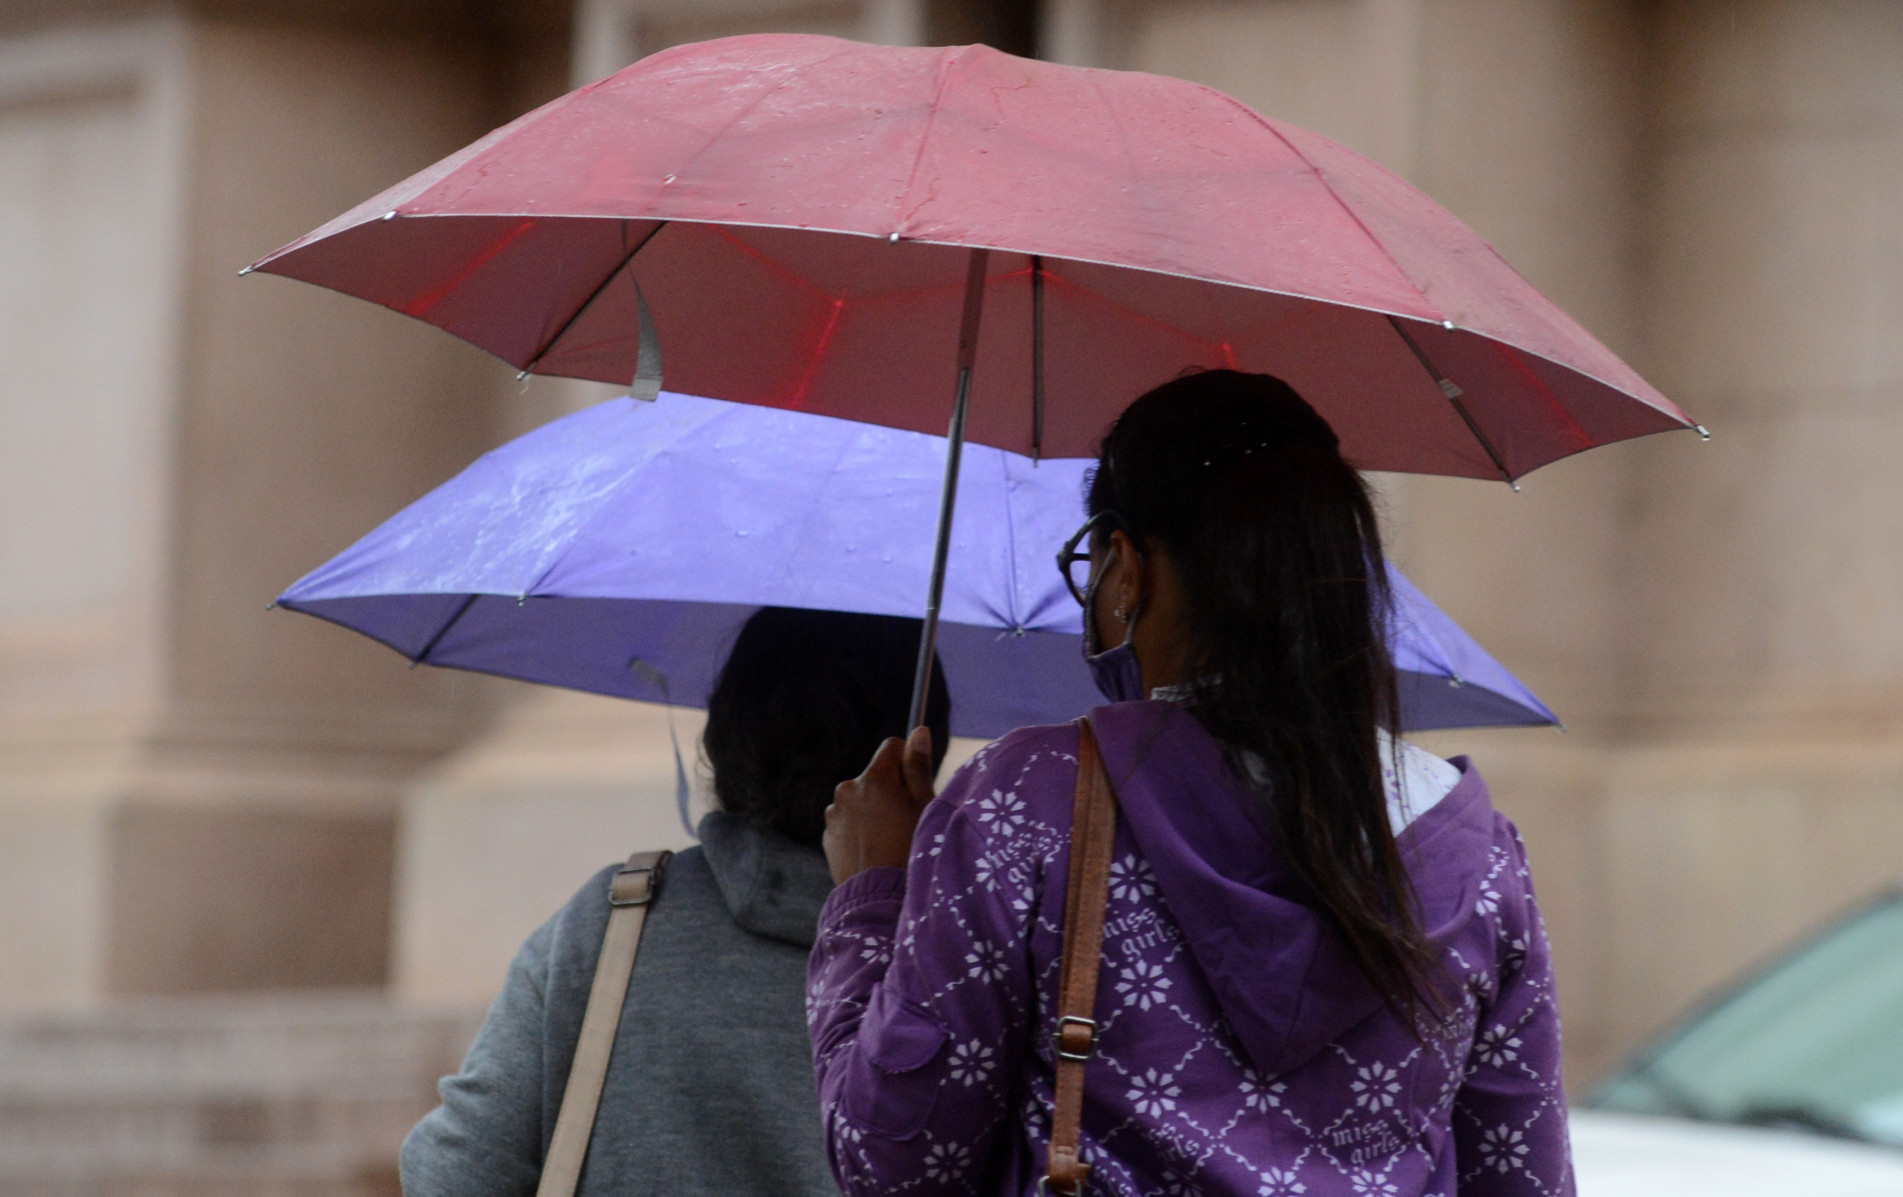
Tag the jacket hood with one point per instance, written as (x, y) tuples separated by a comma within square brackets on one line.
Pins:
[(772, 886), (1284, 979)]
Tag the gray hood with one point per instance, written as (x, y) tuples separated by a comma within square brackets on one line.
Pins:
[(772, 886)]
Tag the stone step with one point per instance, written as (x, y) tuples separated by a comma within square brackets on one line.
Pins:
[(298, 1093), (271, 1176)]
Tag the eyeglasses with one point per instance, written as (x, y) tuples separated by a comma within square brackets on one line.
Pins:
[(1075, 566)]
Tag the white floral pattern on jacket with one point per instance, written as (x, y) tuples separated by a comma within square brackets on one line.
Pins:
[(931, 1000)]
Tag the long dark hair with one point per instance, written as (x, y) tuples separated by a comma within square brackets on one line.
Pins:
[(804, 700), (1243, 485)]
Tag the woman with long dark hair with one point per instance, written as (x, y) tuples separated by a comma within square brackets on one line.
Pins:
[(1322, 968)]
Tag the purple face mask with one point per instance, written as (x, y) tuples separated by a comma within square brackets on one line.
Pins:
[(1118, 676)]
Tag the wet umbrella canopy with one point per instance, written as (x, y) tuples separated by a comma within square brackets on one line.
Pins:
[(821, 225), (618, 550), (797, 212)]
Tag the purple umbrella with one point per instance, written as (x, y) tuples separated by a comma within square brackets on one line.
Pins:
[(618, 550)]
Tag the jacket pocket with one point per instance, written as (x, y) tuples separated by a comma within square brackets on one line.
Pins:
[(893, 1091)]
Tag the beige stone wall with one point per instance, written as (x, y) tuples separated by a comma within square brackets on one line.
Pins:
[(499, 837), (275, 758), (195, 793), (1772, 278), (1764, 681), (91, 128)]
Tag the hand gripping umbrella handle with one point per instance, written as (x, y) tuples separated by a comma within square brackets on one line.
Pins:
[(948, 499)]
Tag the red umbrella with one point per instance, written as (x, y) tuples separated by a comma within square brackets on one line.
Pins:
[(715, 175), (809, 220)]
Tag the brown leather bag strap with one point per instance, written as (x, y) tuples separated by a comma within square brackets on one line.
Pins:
[(1093, 834), (629, 895)]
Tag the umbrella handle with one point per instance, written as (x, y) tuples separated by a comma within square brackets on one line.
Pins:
[(948, 498)]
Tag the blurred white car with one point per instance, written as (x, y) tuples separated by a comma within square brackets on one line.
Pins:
[(1644, 1155), (1790, 1084)]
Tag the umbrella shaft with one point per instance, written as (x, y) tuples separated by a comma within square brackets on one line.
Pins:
[(948, 498), (1037, 357)]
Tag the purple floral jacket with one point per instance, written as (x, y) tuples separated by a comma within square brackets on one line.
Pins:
[(1241, 1050)]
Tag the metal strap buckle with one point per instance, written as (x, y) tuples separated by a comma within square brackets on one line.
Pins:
[(1057, 1037), (646, 892), (1044, 1188)]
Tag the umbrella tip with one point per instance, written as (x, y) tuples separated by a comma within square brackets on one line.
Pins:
[(1704, 434), (390, 215), (246, 270), (1448, 325), (893, 238), (1514, 485)]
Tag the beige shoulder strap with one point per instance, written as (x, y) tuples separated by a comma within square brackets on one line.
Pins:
[(634, 887), (1093, 834)]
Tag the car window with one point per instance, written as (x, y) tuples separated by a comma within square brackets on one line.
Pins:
[(1815, 1042)]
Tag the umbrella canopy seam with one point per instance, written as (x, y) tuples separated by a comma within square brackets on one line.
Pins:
[(1321, 180), (903, 211)]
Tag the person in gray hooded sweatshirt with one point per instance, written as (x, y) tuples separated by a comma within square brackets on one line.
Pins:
[(710, 1087)]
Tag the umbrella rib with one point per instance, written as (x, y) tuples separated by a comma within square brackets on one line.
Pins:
[(1451, 389), (1342, 203), (468, 602), (753, 104), (590, 301)]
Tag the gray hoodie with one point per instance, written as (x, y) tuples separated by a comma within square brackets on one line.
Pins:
[(710, 1089)]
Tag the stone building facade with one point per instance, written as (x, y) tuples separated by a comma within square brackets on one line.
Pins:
[(199, 796)]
